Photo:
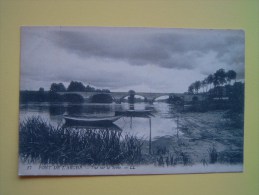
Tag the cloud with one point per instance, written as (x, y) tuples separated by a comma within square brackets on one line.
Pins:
[(120, 59), (167, 48)]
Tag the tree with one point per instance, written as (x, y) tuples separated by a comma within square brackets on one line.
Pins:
[(197, 86), (102, 98), (76, 86), (73, 98), (237, 97), (191, 88), (219, 77), (90, 89), (231, 75), (106, 91), (57, 87), (131, 92), (210, 80), (204, 85)]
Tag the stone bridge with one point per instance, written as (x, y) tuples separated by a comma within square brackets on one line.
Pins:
[(150, 97)]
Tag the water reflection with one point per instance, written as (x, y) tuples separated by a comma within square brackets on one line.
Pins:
[(56, 110), (75, 109), (163, 116), (131, 107)]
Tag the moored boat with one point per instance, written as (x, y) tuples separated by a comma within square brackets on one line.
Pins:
[(102, 120), (134, 113)]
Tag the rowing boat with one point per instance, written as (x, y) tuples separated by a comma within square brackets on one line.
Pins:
[(91, 119), (134, 113)]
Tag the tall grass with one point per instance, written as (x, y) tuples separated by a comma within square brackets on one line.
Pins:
[(44, 143)]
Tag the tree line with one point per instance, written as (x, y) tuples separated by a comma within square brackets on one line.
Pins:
[(75, 86), (219, 78), (52, 96), (223, 91)]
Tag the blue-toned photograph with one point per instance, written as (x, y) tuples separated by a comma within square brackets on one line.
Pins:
[(127, 101)]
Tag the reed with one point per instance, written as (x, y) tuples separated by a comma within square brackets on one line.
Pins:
[(44, 143)]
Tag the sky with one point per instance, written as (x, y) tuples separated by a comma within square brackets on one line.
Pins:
[(120, 59)]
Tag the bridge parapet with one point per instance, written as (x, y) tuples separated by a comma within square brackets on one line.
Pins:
[(151, 97)]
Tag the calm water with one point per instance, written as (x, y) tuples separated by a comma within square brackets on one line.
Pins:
[(163, 123)]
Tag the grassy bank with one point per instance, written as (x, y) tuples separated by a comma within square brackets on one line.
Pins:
[(204, 138), (207, 138), (44, 143)]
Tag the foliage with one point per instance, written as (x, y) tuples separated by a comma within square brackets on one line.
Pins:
[(210, 80), (191, 89), (57, 87), (174, 100), (75, 86), (39, 96), (223, 95), (237, 96), (101, 98), (44, 143), (232, 157), (197, 86), (75, 98), (231, 75), (53, 96), (219, 77)]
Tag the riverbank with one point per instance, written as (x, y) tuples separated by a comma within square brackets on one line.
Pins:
[(205, 138)]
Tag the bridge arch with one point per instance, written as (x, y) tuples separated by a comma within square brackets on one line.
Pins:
[(156, 98)]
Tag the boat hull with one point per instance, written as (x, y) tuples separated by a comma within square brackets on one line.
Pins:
[(91, 121), (134, 113)]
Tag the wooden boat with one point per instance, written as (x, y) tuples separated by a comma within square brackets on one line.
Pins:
[(134, 113), (101, 120)]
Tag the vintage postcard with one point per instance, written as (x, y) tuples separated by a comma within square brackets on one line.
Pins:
[(128, 101)]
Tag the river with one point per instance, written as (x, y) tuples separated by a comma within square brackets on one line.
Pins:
[(163, 121)]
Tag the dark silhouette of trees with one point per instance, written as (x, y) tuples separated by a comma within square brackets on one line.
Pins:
[(204, 85), (74, 98), (175, 100), (90, 89), (102, 98), (222, 95), (194, 87), (236, 96), (219, 77), (52, 95), (197, 86), (78, 86), (231, 75), (75, 86), (210, 80), (191, 89), (57, 87), (106, 90)]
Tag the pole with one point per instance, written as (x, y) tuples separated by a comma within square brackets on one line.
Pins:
[(177, 126), (149, 135)]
